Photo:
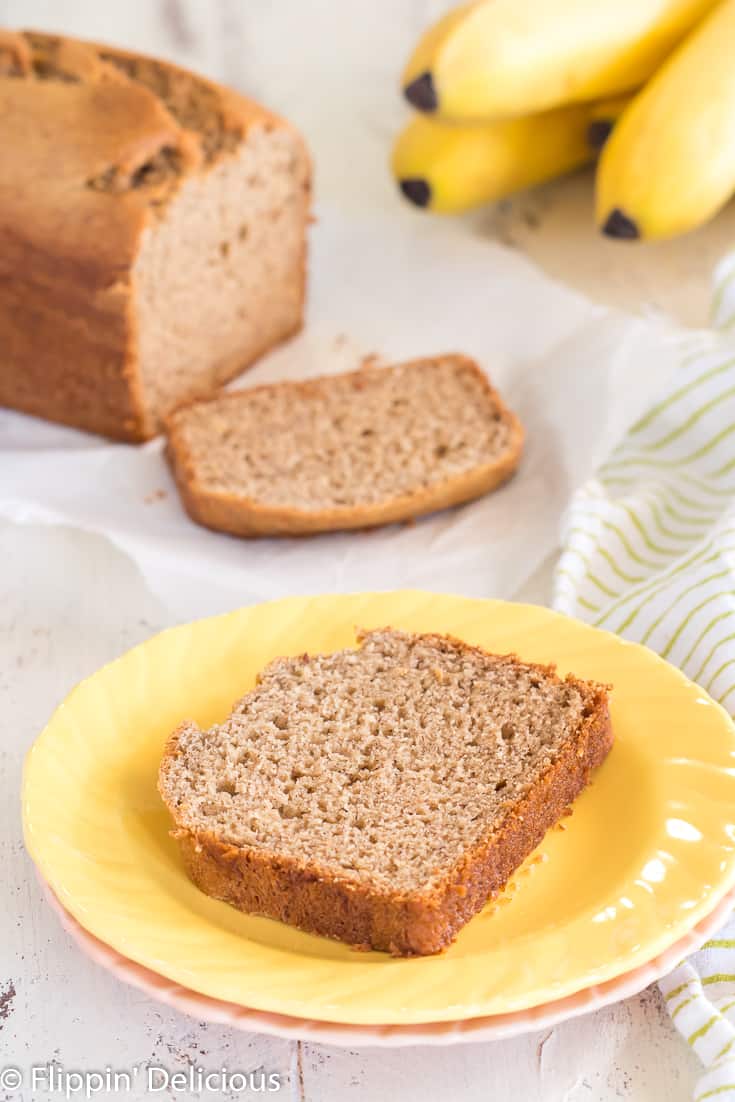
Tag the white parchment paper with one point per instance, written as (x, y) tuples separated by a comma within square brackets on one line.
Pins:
[(396, 286)]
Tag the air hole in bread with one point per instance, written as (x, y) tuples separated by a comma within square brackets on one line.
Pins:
[(158, 171)]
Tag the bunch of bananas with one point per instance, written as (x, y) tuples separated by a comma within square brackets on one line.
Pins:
[(515, 92)]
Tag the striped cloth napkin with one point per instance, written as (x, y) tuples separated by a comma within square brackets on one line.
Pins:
[(649, 553)]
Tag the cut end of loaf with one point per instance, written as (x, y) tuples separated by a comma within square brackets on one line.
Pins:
[(389, 772), (344, 451), (220, 275)]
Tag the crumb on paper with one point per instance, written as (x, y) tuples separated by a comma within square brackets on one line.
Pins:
[(154, 496), (372, 359)]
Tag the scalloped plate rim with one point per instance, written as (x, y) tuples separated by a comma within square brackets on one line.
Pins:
[(459, 1031)]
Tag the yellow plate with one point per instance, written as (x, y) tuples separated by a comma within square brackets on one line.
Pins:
[(647, 853)]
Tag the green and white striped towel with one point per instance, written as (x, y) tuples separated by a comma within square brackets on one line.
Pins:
[(649, 553)]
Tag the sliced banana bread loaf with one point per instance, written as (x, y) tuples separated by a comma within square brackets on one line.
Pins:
[(344, 451), (152, 234), (381, 795)]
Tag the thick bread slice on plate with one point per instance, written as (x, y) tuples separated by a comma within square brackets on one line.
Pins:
[(380, 796)]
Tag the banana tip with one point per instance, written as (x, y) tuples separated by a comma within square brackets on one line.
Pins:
[(416, 190), (421, 93), (619, 225)]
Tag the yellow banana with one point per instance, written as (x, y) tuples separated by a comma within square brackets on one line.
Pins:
[(502, 58), (450, 167), (670, 164)]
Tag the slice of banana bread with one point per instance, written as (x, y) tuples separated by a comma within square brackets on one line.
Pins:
[(380, 796), (344, 451)]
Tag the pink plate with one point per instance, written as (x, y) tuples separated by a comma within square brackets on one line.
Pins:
[(491, 1028)]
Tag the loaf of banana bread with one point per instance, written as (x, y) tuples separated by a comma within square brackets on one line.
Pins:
[(152, 234)]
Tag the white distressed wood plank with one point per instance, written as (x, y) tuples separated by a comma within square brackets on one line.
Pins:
[(629, 1051), (68, 603)]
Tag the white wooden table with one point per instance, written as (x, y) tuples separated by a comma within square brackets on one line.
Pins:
[(70, 601)]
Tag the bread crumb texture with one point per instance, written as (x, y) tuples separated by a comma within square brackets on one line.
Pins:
[(347, 440), (381, 766)]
